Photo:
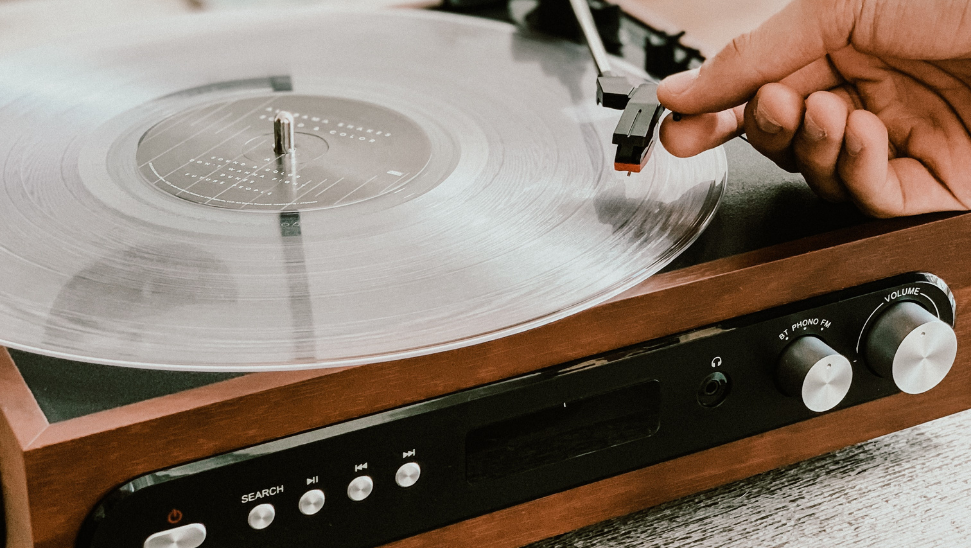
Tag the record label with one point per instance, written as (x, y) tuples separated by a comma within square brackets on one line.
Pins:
[(222, 154)]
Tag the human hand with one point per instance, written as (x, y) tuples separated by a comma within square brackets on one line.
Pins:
[(869, 99)]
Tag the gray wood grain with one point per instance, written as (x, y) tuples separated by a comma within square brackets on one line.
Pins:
[(911, 488)]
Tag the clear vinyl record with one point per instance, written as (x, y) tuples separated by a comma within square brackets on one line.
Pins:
[(451, 183)]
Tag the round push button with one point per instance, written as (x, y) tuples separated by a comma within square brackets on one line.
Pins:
[(260, 517), (360, 488), (311, 502), (187, 536), (408, 474)]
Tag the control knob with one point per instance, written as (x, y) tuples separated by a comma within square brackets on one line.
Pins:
[(911, 346), (811, 370)]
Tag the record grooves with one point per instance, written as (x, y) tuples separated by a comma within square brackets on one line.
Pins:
[(438, 207)]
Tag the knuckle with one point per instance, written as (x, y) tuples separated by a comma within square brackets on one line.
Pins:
[(813, 162), (739, 45)]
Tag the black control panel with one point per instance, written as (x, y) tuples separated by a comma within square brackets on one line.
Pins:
[(397, 473)]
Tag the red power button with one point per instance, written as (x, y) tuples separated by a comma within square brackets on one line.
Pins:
[(175, 516)]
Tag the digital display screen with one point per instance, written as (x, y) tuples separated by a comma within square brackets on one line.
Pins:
[(563, 432)]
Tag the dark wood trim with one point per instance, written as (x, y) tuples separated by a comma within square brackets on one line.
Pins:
[(22, 422), (21, 411)]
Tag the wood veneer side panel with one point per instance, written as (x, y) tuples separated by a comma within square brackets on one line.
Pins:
[(179, 402), (786, 250), (20, 411), (22, 421), (13, 479), (122, 453), (627, 493)]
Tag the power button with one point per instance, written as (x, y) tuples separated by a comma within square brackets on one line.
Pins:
[(187, 536)]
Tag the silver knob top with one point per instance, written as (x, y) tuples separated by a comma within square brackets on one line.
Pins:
[(283, 133), (912, 346), (810, 369)]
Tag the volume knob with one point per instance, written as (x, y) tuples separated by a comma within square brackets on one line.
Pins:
[(912, 346), (811, 370)]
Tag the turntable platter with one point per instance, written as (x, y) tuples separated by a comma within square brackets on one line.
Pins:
[(453, 184)]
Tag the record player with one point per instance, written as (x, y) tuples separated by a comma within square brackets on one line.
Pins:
[(272, 403)]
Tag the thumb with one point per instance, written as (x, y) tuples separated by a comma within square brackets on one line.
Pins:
[(805, 30)]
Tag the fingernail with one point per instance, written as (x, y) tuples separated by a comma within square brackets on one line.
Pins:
[(852, 143), (812, 130), (676, 84), (765, 122)]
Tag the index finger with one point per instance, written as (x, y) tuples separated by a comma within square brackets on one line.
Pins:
[(804, 31)]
